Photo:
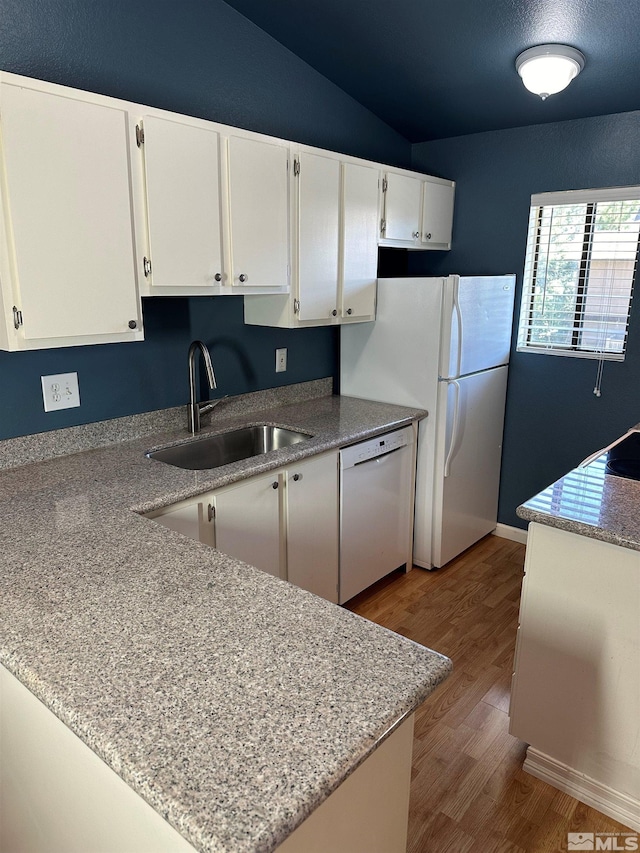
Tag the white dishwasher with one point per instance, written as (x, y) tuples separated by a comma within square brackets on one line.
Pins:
[(376, 480)]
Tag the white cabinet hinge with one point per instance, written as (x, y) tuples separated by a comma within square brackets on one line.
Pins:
[(383, 226), (146, 265), (296, 306), (385, 184), (296, 167), (139, 135), (17, 318)]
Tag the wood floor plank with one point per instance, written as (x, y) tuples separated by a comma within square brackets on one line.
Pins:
[(469, 793)]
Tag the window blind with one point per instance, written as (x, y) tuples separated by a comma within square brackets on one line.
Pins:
[(580, 265)]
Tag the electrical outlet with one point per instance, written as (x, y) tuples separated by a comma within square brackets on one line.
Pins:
[(281, 360), (60, 391)]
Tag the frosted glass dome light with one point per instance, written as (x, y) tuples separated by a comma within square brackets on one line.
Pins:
[(549, 68)]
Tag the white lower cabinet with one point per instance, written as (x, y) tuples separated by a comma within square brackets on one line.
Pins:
[(312, 525), (575, 694), (285, 522), (76, 802), (246, 521)]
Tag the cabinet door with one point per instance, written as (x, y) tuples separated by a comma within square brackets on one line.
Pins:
[(437, 214), (191, 518), (182, 180), (312, 525), (360, 241), (69, 201), (318, 194), (259, 212), (402, 201), (247, 521)]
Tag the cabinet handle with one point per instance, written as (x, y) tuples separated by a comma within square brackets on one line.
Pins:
[(416, 234), (349, 310), (242, 277), (297, 477), (274, 485), (211, 513), (427, 236), (334, 313), (133, 324), (218, 276)]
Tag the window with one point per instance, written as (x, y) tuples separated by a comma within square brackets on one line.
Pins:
[(582, 252)]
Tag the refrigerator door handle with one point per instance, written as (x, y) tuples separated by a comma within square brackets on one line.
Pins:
[(458, 312), (454, 428)]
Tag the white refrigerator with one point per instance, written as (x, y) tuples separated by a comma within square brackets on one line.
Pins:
[(441, 344)]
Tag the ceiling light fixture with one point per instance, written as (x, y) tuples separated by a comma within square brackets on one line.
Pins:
[(549, 68)]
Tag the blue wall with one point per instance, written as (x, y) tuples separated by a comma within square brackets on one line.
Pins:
[(203, 59), (553, 419)]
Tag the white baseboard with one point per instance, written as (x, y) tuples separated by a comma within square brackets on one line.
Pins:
[(620, 807), (505, 531)]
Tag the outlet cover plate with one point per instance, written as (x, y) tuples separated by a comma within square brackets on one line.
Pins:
[(60, 391), (281, 360)]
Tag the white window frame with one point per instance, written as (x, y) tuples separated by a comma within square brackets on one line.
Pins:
[(526, 324)]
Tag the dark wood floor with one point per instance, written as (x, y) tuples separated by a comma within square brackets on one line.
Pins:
[(469, 792)]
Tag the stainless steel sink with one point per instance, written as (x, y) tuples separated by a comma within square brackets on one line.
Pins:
[(215, 450)]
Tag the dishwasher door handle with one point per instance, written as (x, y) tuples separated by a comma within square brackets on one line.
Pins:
[(378, 456)]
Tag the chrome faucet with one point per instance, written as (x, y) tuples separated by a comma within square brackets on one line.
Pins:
[(197, 409)]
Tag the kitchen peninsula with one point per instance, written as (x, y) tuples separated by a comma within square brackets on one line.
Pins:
[(576, 688), (231, 702)]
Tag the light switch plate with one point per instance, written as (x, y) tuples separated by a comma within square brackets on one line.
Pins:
[(60, 391)]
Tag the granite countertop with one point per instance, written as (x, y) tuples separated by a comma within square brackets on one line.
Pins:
[(233, 702), (592, 503)]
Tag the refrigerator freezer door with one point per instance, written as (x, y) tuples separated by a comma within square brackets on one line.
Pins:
[(395, 359), (466, 499), (482, 307)]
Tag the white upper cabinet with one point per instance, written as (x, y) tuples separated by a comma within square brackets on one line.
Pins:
[(213, 209), (437, 214), (103, 201), (259, 212), (417, 211), (335, 246), (402, 197), (359, 262), (183, 206), (67, 259), (317, 243)]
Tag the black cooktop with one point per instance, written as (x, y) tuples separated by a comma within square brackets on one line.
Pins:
[(623, 460)]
